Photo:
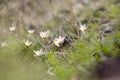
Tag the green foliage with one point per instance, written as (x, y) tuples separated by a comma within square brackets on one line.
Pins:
[(114, 11)]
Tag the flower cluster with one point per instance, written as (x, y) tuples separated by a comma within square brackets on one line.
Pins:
[(58, 41), (44, 35)]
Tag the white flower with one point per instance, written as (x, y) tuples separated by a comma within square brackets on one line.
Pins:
[(31, 31), (44, 34), (83, 27), (61, 39), (39, 52), (27, 43), (3, 44), (12, 28), (58, 41)]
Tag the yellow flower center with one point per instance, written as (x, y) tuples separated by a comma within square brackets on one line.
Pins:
[(39, 54), (44, 37), (61, 42), (54, 42), (85, 28), (27, 44)]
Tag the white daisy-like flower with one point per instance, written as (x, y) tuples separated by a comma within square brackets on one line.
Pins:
[(39, 52), (58, 41), (27, 43), (31, 31), (83, 27), (44, 34), (13, 27), (61, 40), (3, 44)]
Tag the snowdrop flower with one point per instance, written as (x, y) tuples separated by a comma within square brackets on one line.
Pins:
[(31, 31), (44, 34), (39, 52), (83, 27), (27, 43), (58, 41), (12, 28)]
